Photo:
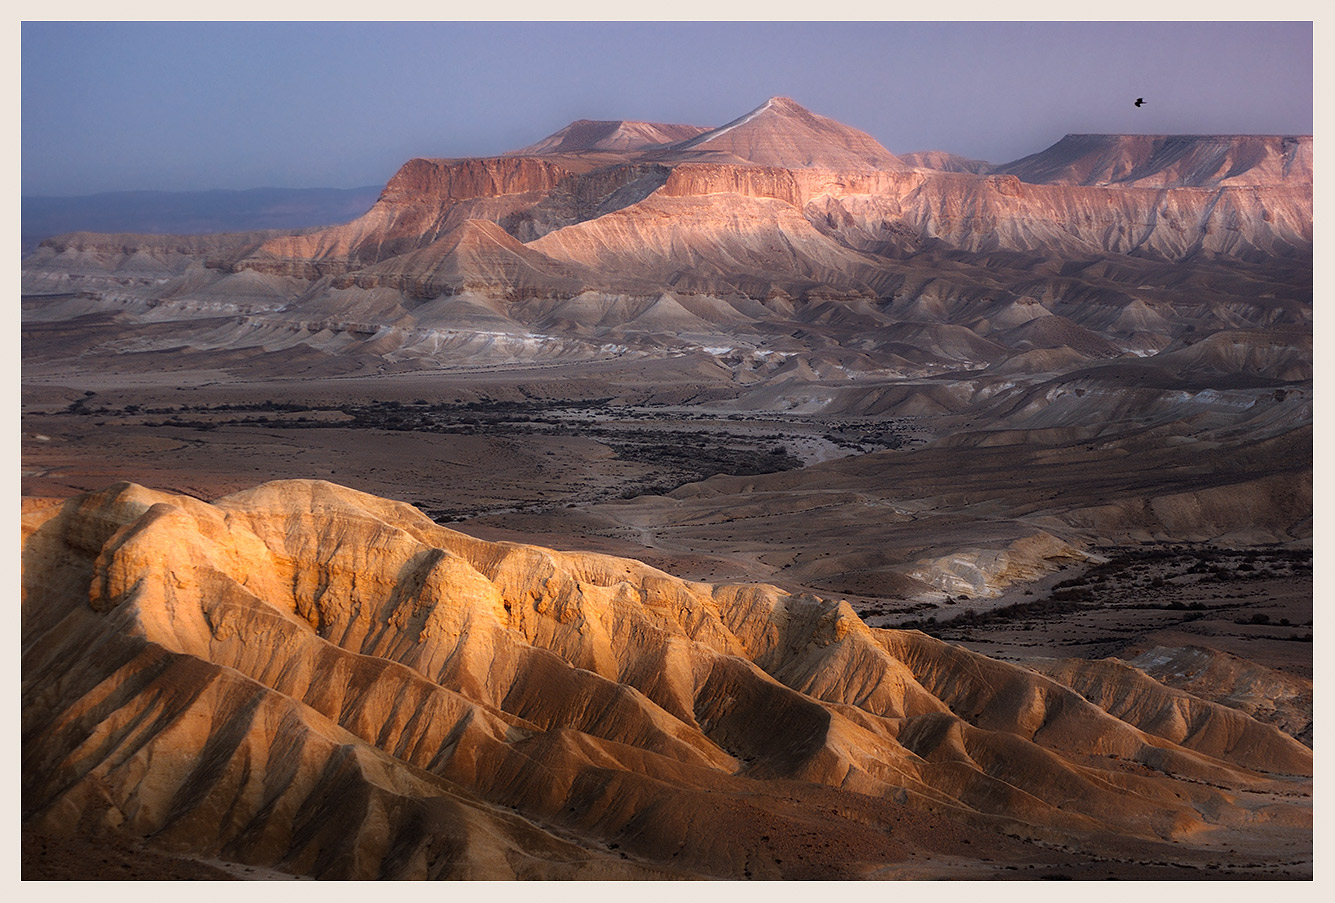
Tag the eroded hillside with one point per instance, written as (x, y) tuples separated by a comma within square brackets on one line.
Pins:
[(310, 678)]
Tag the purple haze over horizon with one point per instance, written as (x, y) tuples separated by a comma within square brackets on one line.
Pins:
[(118, 106)]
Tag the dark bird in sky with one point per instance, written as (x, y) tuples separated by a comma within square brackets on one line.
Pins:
[(1139, 101)]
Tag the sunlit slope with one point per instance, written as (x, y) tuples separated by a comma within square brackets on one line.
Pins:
[(309, 677)]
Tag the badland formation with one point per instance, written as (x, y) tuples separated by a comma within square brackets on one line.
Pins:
[(916, 517)]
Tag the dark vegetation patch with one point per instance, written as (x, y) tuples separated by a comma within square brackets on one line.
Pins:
[(697, 457), (597, 418), (667, 443), (1165, 577)]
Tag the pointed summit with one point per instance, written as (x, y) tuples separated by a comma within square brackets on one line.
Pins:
[(781, 132)]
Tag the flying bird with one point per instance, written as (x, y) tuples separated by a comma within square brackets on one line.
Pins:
[(1139, 101)]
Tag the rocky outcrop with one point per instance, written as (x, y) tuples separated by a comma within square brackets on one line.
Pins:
[(427, 199), (311, 678), (1208, 727), (719, 245)]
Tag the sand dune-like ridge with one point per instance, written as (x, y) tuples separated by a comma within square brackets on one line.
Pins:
[(311, 678)]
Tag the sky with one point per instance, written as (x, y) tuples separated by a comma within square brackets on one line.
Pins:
[(177, 106)]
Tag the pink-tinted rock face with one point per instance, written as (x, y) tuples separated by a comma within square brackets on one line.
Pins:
[(781, 198), (477, 256), (459, 180), (781, 133), (428, 199), (1170, 161), (617, 136), (1002, 213), (843, 195)]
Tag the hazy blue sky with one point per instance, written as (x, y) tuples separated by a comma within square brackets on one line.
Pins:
[(185, 106)]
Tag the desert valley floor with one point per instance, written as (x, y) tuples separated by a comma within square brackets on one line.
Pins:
[(1229, 622)]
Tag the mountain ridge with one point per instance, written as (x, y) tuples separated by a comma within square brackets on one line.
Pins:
[(1169, 161), (575, 174), (860, 198)]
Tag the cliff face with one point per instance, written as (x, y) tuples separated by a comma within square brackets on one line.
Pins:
[(448, 181), (424, 199), (1002, 213), (427, 199), (1163, 197), (311, 678)]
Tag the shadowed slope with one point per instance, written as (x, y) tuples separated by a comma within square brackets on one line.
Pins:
[(1169, 161)]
